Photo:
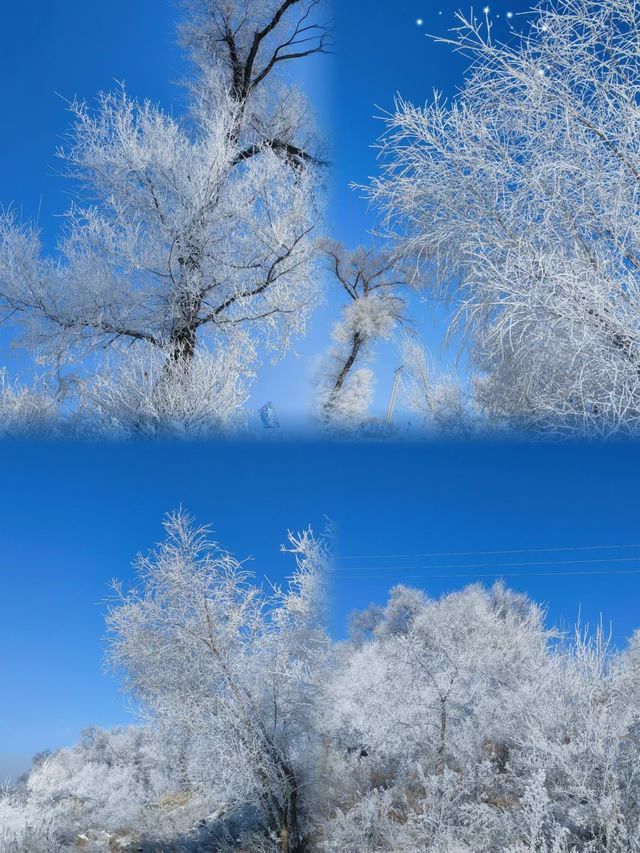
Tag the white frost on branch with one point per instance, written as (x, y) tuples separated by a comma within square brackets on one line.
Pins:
[(443, 404)]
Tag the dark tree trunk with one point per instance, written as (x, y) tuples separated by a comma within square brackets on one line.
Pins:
[(188, 301), (356, 345), (290, 837), (183, 345), (442, 762)]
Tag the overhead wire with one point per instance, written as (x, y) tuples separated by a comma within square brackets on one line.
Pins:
[(487, 553), (434, 571), (499, 565), (504, 574)]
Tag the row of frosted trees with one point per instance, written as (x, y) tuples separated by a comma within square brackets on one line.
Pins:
[(461, 723)]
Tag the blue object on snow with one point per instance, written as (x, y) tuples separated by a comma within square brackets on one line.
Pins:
[(269, 417)]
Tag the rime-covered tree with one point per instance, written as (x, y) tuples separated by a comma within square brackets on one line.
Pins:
[(440, 398), (464, 724), (373, 281), (231, 669), (523, 193), (190, 229)]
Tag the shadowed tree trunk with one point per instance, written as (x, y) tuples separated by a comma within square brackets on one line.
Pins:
[(442, 737), (356, 345)]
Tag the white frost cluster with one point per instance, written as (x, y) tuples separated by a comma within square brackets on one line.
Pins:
[(373, 317), (105, 794)]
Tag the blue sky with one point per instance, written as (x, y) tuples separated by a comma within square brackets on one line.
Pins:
[(74, 516), (52, 52)]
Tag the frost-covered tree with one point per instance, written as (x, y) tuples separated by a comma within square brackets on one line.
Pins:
[(232, 670), (522, 192), (190, 229), (439, 397), (465, 724), (373, 281)]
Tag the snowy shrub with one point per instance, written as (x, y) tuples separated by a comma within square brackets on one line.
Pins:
[(148, 394), (26, 411)]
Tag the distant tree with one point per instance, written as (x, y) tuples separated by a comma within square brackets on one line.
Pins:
[(211, 655), (444, 404), (523, 194), (373, 281), (192, 228)]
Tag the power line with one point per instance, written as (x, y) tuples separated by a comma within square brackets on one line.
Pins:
[(508, 574), (497, 565), (486, 553)]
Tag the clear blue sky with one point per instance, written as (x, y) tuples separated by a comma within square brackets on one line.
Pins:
[(74, 516), (55, 51)]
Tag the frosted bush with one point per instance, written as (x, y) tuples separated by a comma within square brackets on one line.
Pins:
[(146, 394)]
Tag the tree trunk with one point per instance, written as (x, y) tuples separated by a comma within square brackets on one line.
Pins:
[(442, 762), (356, 344), (188, 301), (290, 840), (183, 345), (290, 837)]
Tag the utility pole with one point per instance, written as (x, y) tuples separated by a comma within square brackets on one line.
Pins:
[(394, 394)]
